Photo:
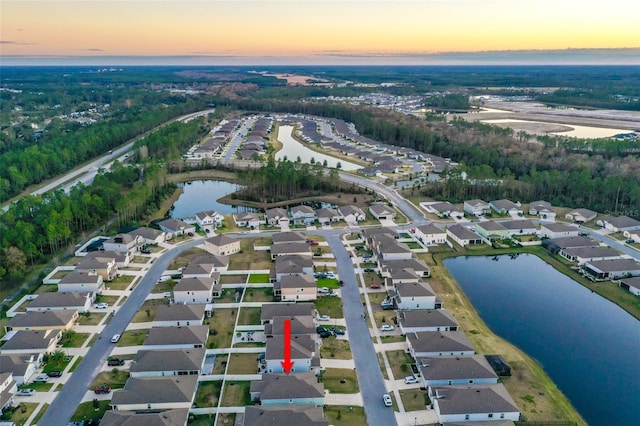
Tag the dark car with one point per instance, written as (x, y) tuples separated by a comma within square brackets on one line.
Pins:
[(369, 270), (321, 329), (325, 333), (115, 362), (191, 234), (102, 389), (338, 331), (341, 283), (55, 373), (145, 251), (359, 247)]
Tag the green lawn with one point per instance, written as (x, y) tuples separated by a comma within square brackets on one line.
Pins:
[(335, 348), (115, 378), (258, 295), (164, 286), (400, 363), (258, 278), (132, 338), (121, 282), (345, 415), (249, 316), (221, 326), (71, 339), (22, 412), (331, 306), (53, 366), (208, 394), (111, 300), (382, 367), (75, 364), (236, 394), (38, 387), (328, 282), (90, 318), (340, 380), (149, 309), (414, 399), (243, 364), (36, 419), (86, 411)]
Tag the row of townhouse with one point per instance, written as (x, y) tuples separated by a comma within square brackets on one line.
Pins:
[(306, 215)]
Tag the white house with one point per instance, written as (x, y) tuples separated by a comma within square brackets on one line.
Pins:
[(285, 389), (178, 315), (248, 220), (543, 210), (506, 207), (103, 263), (303, 215), (197, 290), (456, 370), (326, 216), (81, 282), (612, 269), (477, 207), (21, 365), (124, 243), (430, 235), (558, 230), (296, 288), (206, 266), (176, 227), (352, 214), (193, 336), (51, 301), (631, 284), (463, 235), (277, 217), (520, 227), (581, 215), (32, 342), (426, 320), (7, 389), (222, 245), (209, 220), (303, 354), (414, 295), (443, 209), (382, 212), (388, 248), (155, 393), (473, 403), (427, 344), (149, 235), (632, 235), (168, 362), (621, 224), (582, 255)]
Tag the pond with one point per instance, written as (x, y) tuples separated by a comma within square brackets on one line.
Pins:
[(201, 195), (586, 344), (292, 149)]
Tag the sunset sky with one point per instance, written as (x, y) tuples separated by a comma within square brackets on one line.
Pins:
[(234, 31)]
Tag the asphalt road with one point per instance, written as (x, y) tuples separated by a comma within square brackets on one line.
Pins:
[(68, 399)]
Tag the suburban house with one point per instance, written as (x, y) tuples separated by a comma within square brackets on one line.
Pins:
[(506, 207), (43, 320), (176, 227), (444, 209), (291, 265), (178, 417), (209, 220), (418, 295), (426, 320), (303, 215), (582, 255), (155, 393), (390, 268), (543, 210), (149, 235), (294, 288), (477, 207), (300, 324), (303, 354), (352, 214), (205, 266), (286, 249), (520, 227), (326, 216), (621, 224), (612, 269), (282, 389), (123, 243), (299, 415), (193, 336), (169, 362), (400, 276), (387, 248), (557, 244), (631, 284), (82, 282), (270, 311), (176, 315), (7, 389), (426, 344), (97, 263), (32, 342), (632, 235), (492, 230), (456, 370), (288, 237), (249, 220), (21, 366), (463, 235), (473, 403), (197, 290), (558, 230), (430, 235), (277, 217), (222, 245), (382, 212), (52, 301), (369, 234), (580, 215)]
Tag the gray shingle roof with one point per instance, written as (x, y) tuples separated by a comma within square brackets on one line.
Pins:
[(440, 341), (50, 319), (279, 415), (474, 399), (164, 336), (178, 312), (427, 318), (175, 417), (168, 360), (271, 310), (288, 386), (156, 390), (456, 368)]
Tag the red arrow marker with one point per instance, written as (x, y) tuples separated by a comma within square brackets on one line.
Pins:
[(287, 363)]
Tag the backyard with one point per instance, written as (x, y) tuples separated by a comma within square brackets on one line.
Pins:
[(249, 316), (243, 364), (208, 394), (236, 394), (149, 309), (221, 326)]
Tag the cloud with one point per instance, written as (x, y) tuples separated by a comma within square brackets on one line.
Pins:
[(93, 49), (19, 43)]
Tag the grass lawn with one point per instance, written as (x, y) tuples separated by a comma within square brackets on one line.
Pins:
[(149, 309), (221, 328), (387, 316), (345, 415), (228, 296), (335, 348), (392, 339), (331, 306), (340, 380), (121, 282), (132, 338), (90, 318), (249, 316), (71, 339), (111, 300), (236, 394), (376, 299), (258, 278), (86, 411), (226, 419), (202, 420), (382, 367), (185, 257), (115, 378), (243, 364), (75, 364), (36, 419), (258, 295), (412, 245), (208, 394), (234, 279), (22, 412), (93, 340), (164, 286), (38, 387), (248, 258), (220, 364), (372, 278), (414, 399), (328, 282), (55, 366), (400, 363)]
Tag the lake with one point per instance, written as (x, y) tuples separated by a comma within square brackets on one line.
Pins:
[(292, 149), (201, 195), (586, 344)]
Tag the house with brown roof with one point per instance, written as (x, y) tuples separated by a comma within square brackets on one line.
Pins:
[(168, 362), (104, 263), (270, 415), (284, 389), (32, 341), (287, 249), (456, 370), (197, 290), (581, 215), (473, 403), (187, 337), (43, 320), (298, 324), (52, 301), (177, 315), (426, 344), (294, 288), (155, 393), (631, 284), (291, 265), (426, 320), (222, 245)]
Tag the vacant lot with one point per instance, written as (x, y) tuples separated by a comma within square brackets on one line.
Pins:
[(86, 411), (121, 282), (345, 415), (335, 348), (185, 257), (243, 364), (164, 286), (233, 279), (236, 394), (132, 338), (220, 364), (340, 380), (208, 394), (221, 328), (90, 318), (414, 399), (331, 306), (249, 316)]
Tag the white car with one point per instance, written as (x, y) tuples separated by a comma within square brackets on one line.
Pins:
[(324, 318), (324, 290), (411, 379), (387, 327), (386, 398), (115, 338), (102, 305), (43, 378), (26, 392)]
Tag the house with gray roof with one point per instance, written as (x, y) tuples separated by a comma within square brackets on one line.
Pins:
[(286, 249), (177, 417), (506, 207), (206, 266), (612, 269), (209, 220), (7, 389), (477, 207), (299, 324), (389, 268), (125, 243), (175, 227), (382, 212), (427, 344), (284, 389), (582, 255), (543, 210), (294, 288), (288, 237), (386, 248), (558, 230), (413, 321), (581, 215), (21, 365), (177, 315), (352, 214), (52, 301), (631, 284), (473, 403), (455, 370), (303, 215), (249, 220), (277, 415), (430, 234), (555, 245), (32, 341), (370, 233), (149, 235), (621, 223), (221, 245), (186, 337), (291, 265), (43, 320), (463, 236), (327, 215), (155, 393), (277, 217), (197, 290), (270, 311), (520, 227), (168, 362), (88, 280), (492, 230), (443, 209), (304, 354), (415, 295)]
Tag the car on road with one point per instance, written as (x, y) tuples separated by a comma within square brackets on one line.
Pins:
[(26, 392), (341, 283), (115, 338), (338, 331), (386, 398), (387, 327), (102, 305), (324, 318), (42, 378), (313, 242), (411, 380), (55, 373), (113, 362), (102, 389)]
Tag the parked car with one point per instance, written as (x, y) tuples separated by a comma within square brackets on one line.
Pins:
[(115, 338), (26, 392), (630, 241), (42, 378), (341, 283), (338, 331), (191, 234), (320, 329), (324, 290), (102, 305), (386, 398), (167, 294), (102, 389), (313, 242), (374, 286), (359, 247), (145, 251), (324, 318), (369, 270), (55, 373), (411, 379), (387, 327), (113, 362), (325, 334)]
